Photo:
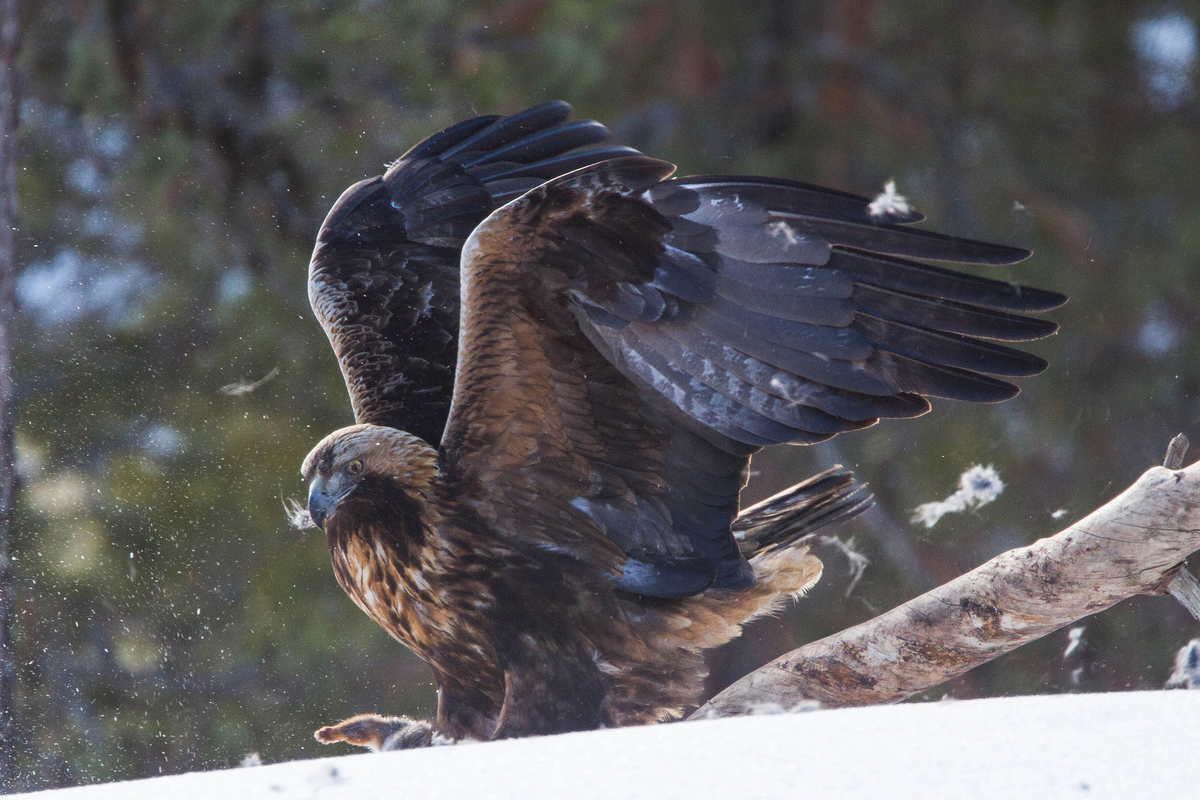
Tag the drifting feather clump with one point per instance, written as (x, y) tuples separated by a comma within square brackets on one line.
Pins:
[(297, 515), (977, 487), (1187, 667), (889, 204)]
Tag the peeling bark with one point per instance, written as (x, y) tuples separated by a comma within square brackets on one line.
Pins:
[(1135, 544)]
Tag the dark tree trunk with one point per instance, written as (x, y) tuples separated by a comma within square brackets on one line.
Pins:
[(8, 275)]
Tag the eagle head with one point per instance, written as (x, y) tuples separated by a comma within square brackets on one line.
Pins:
[(348, 463)]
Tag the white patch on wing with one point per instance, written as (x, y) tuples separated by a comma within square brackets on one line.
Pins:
[(779, 228)]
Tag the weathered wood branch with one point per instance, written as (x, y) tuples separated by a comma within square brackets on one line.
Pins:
[(1135, 544), (1183, 587)]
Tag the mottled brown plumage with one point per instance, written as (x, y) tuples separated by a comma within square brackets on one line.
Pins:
[(525, 635), (625, 343)]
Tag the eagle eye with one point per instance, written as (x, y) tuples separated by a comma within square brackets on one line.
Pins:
[(355, 467)]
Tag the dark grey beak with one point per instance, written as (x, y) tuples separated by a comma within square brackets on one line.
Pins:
[(321, 501)]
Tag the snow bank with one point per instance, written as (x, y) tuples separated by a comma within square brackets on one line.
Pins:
[(1121, 746)]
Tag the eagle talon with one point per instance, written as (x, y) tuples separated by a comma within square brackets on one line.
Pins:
[(378, 733)]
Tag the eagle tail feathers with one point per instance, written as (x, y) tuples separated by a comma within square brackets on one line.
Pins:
[(774, 536), (794, 515)]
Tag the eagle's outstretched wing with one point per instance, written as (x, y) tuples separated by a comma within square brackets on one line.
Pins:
[(383, 279), (629, 341)]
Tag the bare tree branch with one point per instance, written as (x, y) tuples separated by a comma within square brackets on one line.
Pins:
[(1183, 587), (1135, 544), (9, 36)]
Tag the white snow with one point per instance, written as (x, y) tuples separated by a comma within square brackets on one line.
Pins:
[(1120, 746)]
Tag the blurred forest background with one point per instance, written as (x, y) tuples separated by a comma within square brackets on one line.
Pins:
[(177, 159)]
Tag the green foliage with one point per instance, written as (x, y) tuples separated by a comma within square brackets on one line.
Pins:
[(178, 159)]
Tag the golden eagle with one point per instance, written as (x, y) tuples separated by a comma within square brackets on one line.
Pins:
[(560, 361)]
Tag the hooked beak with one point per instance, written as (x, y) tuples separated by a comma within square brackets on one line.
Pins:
[(323, 498)]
